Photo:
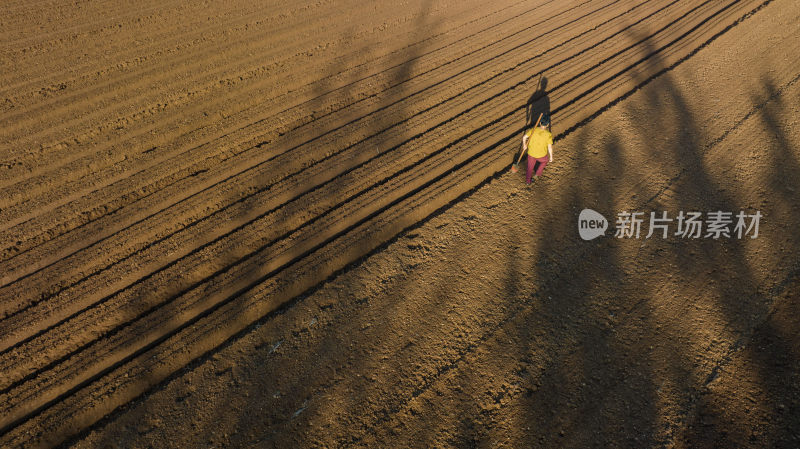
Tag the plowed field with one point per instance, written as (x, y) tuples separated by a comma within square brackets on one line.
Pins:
[(181, 179)]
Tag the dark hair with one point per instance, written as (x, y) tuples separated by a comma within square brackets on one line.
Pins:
[(545, 121)]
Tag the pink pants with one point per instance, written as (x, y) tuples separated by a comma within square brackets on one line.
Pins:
[(532, 163)]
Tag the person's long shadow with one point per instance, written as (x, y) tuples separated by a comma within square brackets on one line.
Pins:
[(538, 103)]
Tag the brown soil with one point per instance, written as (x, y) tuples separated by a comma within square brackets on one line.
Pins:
[(292, 224)]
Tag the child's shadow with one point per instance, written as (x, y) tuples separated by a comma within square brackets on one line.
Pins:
[(538, 103)]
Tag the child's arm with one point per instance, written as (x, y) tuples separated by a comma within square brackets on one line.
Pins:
[(550, 150)]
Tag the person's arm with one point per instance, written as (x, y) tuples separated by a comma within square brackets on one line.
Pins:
[(550, 150), (525, 142)]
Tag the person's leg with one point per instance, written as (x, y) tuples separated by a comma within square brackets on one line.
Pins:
[(529, 173), (542, 163)]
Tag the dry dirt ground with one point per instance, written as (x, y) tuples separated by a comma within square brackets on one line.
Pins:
[(291, 224)]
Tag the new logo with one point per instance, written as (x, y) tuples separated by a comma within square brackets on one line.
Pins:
[(591, 224)]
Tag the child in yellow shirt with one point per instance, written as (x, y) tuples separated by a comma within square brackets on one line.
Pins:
[(539, 144)]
